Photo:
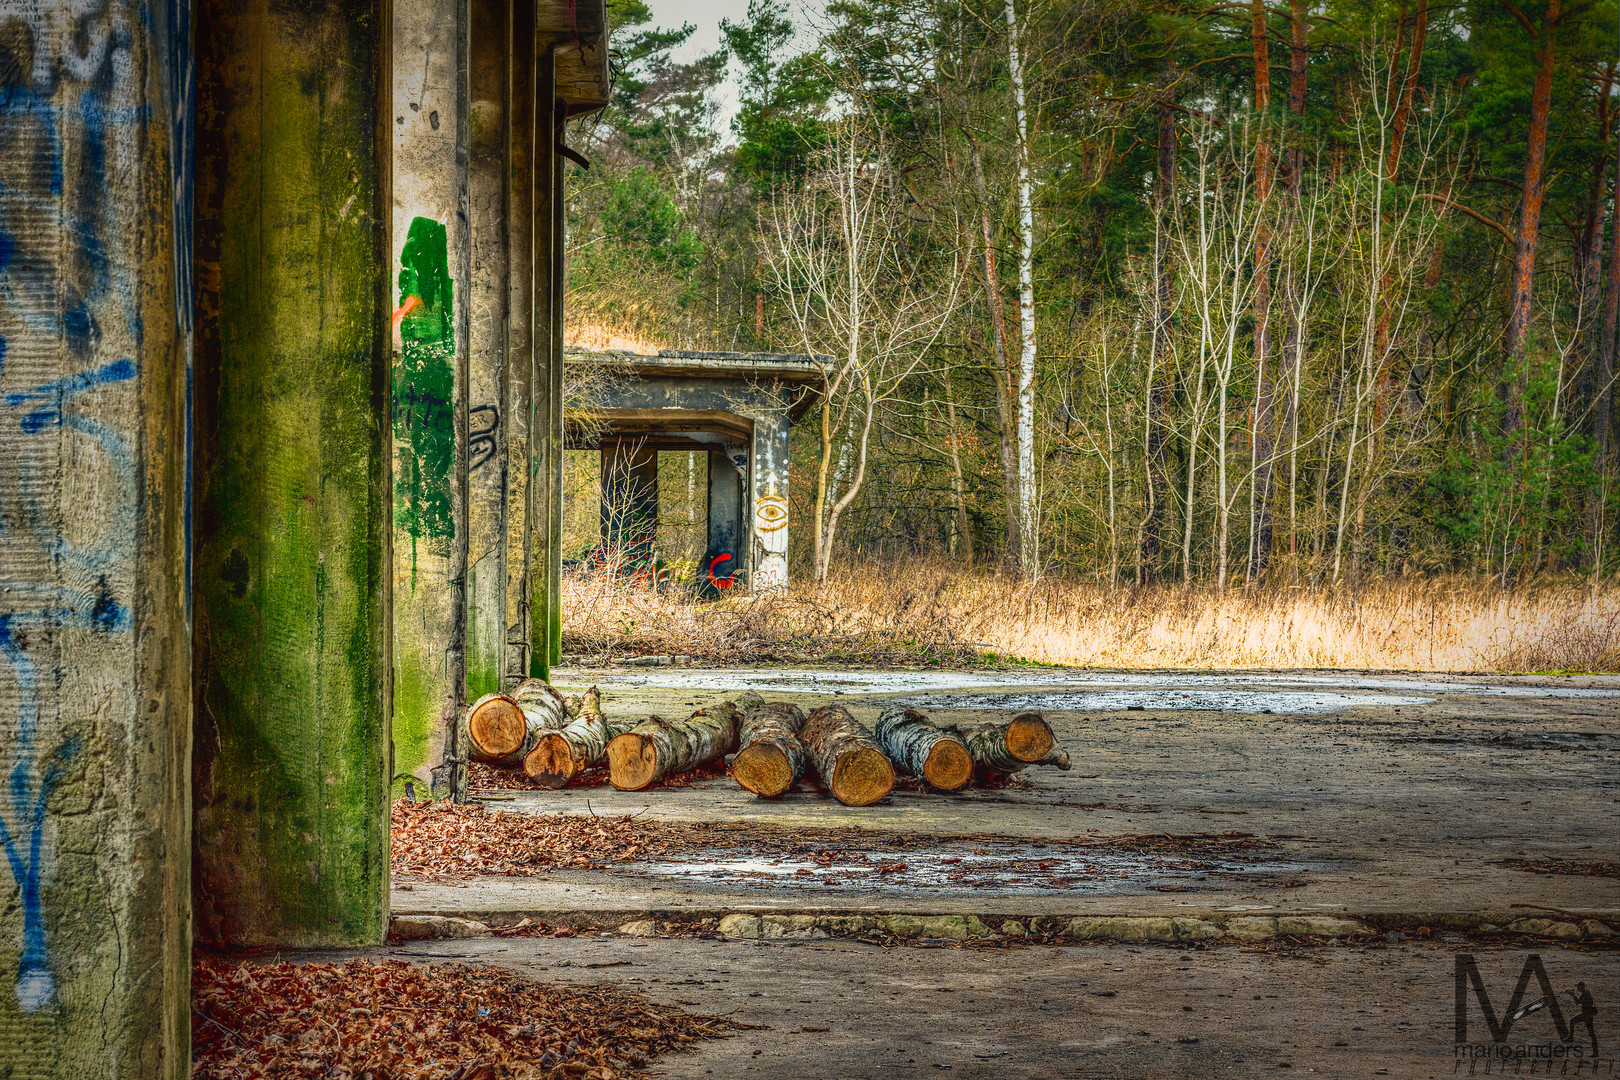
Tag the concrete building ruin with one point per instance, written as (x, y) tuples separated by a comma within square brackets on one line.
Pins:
[(280, 468), (734, 407)]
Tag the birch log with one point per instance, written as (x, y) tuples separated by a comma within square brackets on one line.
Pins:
[(656, 748), (850, 762), (919, 748), (1008, 748), (502, 728), (561, 755), (771, 757)]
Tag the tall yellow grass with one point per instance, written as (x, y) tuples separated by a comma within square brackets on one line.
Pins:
[(933, 613)]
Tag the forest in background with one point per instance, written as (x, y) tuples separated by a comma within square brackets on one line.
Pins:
[(1288, 293)]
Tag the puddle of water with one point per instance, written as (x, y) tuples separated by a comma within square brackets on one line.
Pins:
[(1282, 702), (1021, 871), (877, 682)]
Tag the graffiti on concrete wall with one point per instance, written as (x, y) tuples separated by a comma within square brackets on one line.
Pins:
[(483, 421), (770, 526), (424, 381), (71, 116)]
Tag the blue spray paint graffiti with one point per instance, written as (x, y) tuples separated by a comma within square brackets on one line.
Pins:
[(70, 141)]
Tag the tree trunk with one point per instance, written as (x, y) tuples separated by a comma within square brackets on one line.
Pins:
[(1006, 748), (771, 758), (1028, 537), (502, 728), (964, 526), (850, 763), (920, 749), (1004, 376), (1264, 441), (1605, 388), (1150, 555), (1528, 233), (657, 748), (561, 755)]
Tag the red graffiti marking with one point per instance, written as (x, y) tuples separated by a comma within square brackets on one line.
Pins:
[(719, 583), (411, 303)]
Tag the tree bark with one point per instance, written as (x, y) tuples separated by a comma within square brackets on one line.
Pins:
[(1028, 537), (850, 763), (502, 728), (1006, 748), (1004, 376), (1528, 234), (657, 748), (771, 758), (1150, 555), (1602, 408), (919, 748), (559, 756), (1264, 441)]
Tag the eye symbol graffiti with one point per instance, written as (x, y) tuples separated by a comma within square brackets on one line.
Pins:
[(770, 513)]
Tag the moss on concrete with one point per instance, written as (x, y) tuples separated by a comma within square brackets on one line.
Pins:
[(292, 736)]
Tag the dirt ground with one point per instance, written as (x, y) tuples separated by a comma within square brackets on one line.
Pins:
[(833, 1010), (1371, 794), (1394, 800)]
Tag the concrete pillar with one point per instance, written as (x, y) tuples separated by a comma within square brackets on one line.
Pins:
[(520, 520), (291, 573), (768, 566), (629, 505), (546, 415), (95, 656), (722, 562), (487, 381), (554, 371), (430, 267)]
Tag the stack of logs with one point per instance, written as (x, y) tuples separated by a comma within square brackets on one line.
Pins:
[(554, 739)]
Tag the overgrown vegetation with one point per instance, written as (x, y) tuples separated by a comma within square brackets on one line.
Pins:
[(1306, 293), (936, 613)]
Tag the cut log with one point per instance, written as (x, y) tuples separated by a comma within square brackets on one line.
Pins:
[(918, 748), (999, 750), (771, 757), (849, 760), (1022, 741), (657, 748), (561, 755), (502, 728)]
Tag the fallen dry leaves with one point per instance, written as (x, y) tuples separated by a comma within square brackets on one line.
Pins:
[(466, 841), (389, 1020)]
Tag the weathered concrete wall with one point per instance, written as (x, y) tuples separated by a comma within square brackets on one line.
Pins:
[(488, 378), (768, 567), (291, 399), (95, 698), (520, 370), (722, 562), (545, 428), (431, 258)]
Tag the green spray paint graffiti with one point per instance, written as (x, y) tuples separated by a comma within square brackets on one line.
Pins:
[(424, 378)]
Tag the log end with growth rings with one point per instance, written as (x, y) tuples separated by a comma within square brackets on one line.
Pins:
[(551, 763), (496, 725), (1029, 737), (632, 762), (949, 766), (763, 769), (862, 777)]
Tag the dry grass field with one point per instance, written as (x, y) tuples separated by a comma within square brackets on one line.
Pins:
[(939, 614)]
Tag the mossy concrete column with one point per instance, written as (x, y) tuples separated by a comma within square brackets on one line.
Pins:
[(554, 375), (95, 655), (292, 512), (489, 418), (430, 258), (519, 338), (546, 413)]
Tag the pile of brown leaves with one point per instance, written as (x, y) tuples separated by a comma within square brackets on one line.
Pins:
[(465, 841), (381, 1020)]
